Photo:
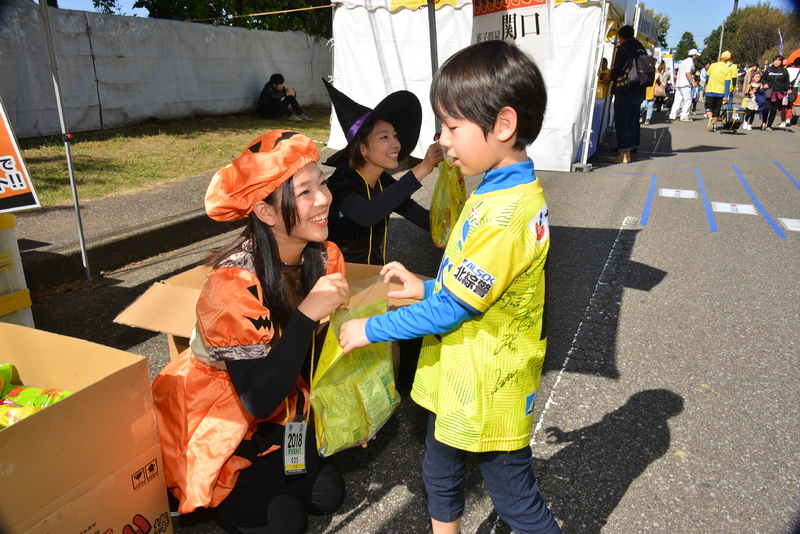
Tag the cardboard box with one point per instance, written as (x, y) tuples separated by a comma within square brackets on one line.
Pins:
[(90, 463), (169, 306)]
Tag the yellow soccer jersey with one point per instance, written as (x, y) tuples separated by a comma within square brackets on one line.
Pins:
[(481, 378)]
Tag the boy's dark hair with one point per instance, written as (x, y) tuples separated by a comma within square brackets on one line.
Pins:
[(477, 82), (276, 79), (626, 32)]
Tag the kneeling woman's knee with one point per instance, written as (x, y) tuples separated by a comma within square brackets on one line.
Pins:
[(329, 491)]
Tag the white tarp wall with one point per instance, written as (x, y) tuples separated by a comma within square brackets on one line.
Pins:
[(568, 75), (377, 52), (116, 70)]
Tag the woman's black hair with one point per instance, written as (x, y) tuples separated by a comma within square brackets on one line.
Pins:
[(480, 80), (355, 160), (267, 261)]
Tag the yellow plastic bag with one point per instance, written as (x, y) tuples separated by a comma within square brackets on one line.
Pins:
[(353, 394), (449, 196)]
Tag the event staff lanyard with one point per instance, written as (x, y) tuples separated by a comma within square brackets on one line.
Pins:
[(385, 221), (294, 436)]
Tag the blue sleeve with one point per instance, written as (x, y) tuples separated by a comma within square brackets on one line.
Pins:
[(428, 285), (435, 315), (727, 88)]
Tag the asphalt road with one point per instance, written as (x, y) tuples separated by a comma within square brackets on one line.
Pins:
[(671, 395)]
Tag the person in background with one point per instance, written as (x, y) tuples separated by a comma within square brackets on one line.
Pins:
[(756, 92), (662, 81), (646, 109), (627, 96), (485, 310), (364, 194), (776, 80), (704, 75), (276, 101), (684, 81), (718, 89), (602, 87), (228, 405)]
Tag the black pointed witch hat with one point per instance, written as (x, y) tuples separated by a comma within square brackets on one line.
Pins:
[(401, 109)]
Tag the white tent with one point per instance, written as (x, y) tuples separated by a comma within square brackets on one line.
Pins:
[(381, 46)]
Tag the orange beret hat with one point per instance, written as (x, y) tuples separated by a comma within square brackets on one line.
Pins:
[(270, 160)]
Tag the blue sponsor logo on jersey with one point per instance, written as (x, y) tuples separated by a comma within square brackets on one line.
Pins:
[(529, 400)]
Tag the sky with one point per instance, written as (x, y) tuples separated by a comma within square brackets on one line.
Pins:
[(700, 17)]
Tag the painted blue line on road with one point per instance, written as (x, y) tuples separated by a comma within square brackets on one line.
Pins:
[(649, 202), (781, 167), (762, 211), (758, 205), (712, 222), (791, 178)]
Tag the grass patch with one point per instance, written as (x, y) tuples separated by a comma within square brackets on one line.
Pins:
[(108, 162)]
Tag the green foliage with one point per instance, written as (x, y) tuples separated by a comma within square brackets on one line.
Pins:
[(686, 43), (241, 13), (751, 35), (109, 7)]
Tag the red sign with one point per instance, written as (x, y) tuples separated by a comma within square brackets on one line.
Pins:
[(483, 7), (16, 188)]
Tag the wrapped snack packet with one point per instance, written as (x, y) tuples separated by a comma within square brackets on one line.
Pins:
[(33, 396), (6, 372), (12, 414)]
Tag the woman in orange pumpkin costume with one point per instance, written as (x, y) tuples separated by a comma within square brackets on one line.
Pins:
[(232, 409)]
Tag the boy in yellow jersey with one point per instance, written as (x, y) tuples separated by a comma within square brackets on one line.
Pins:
[(484, 314)]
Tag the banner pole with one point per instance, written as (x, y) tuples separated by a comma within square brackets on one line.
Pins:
[(594, 64), (65, 135), (434, 49)]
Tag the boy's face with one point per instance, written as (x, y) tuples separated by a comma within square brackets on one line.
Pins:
[(473, 152)]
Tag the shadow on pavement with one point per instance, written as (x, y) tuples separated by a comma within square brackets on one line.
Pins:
[(586, 480)]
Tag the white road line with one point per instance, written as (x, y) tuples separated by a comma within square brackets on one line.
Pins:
[(550, 400)]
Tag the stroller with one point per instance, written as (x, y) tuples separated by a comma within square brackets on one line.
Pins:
[(731, 118)]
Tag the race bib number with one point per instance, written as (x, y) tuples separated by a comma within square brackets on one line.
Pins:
[(294, 448)]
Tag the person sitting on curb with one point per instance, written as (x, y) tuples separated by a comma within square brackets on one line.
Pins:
[(276, 100)]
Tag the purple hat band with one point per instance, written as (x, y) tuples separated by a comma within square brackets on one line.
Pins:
[(355, 127)]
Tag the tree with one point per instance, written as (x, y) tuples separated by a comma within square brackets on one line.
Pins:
[(686, 43), (109, 7), (240, 13), (751, 35)]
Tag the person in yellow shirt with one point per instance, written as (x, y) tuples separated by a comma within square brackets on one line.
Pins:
[(718, 88), (602, 87)]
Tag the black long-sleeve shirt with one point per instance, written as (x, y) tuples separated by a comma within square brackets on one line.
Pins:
[(358, 217)]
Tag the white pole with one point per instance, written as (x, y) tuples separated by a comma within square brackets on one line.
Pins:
[(594, 64), (64, 132)]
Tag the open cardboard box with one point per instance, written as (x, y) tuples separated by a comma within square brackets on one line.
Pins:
[(90, 462), (169, 306)]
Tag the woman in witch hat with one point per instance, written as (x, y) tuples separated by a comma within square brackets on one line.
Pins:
[(364, 194)]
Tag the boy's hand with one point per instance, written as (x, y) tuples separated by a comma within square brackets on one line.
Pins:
[(353, 335), (412, 286)]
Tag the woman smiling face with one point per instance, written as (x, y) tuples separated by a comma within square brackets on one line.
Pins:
[(311, 201), (382, 146)]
